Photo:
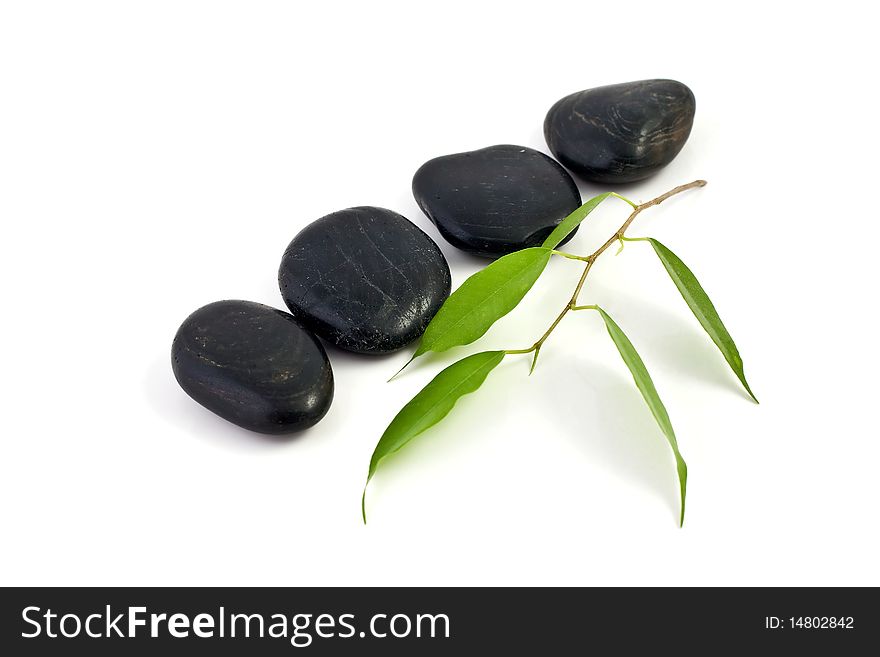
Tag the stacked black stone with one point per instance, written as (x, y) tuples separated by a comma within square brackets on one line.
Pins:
[(365, 279), (495, 200), (623, 132), (254, 366), (368, 280)]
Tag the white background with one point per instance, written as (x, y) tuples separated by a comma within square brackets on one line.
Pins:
[(157, 156)]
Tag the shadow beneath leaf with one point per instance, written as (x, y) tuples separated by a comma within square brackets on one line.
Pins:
[(603, 412), (677, 342)]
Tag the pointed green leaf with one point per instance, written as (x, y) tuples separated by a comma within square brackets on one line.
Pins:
[(703, 309), (431, 405), (483, 299), (649, 392), (572, 221)]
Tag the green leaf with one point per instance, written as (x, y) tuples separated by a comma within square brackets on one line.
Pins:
[(483, 299), (431, 405), (703, 309), (572, 221), (649, 392)]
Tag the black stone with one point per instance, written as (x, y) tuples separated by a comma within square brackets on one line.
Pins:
[(366, 279), (623, 132), (495, 200), (254, 366)]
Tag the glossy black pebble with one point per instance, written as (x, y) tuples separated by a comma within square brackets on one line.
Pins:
[(254, 366), (366, 279), (495, 200), (623, 132)]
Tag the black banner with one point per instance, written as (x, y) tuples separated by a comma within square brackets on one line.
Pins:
[(437, 621)]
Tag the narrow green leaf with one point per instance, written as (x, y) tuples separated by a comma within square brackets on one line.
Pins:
[(483, 299), (649, 392), (572, 221), (703, 309), (431, 405)]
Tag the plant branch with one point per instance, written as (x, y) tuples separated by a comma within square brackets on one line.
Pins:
[(644, 206), (590, 259)]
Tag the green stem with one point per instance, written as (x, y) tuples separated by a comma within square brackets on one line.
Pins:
[(570, 256), (624, 198)]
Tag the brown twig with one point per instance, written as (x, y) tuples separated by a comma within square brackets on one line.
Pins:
[(590, 259)]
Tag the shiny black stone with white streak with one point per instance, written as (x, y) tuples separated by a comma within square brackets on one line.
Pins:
[(366, 279), (623, 132), (495, 200), (254, 366)]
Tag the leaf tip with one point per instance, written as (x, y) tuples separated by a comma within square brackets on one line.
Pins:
[(393, 376), (364, 503), (682, 482), (745, 384), (751, 394)]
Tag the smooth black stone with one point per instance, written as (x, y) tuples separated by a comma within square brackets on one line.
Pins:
[(254, 366), (495, 200), (623, 132), (366, 279)]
